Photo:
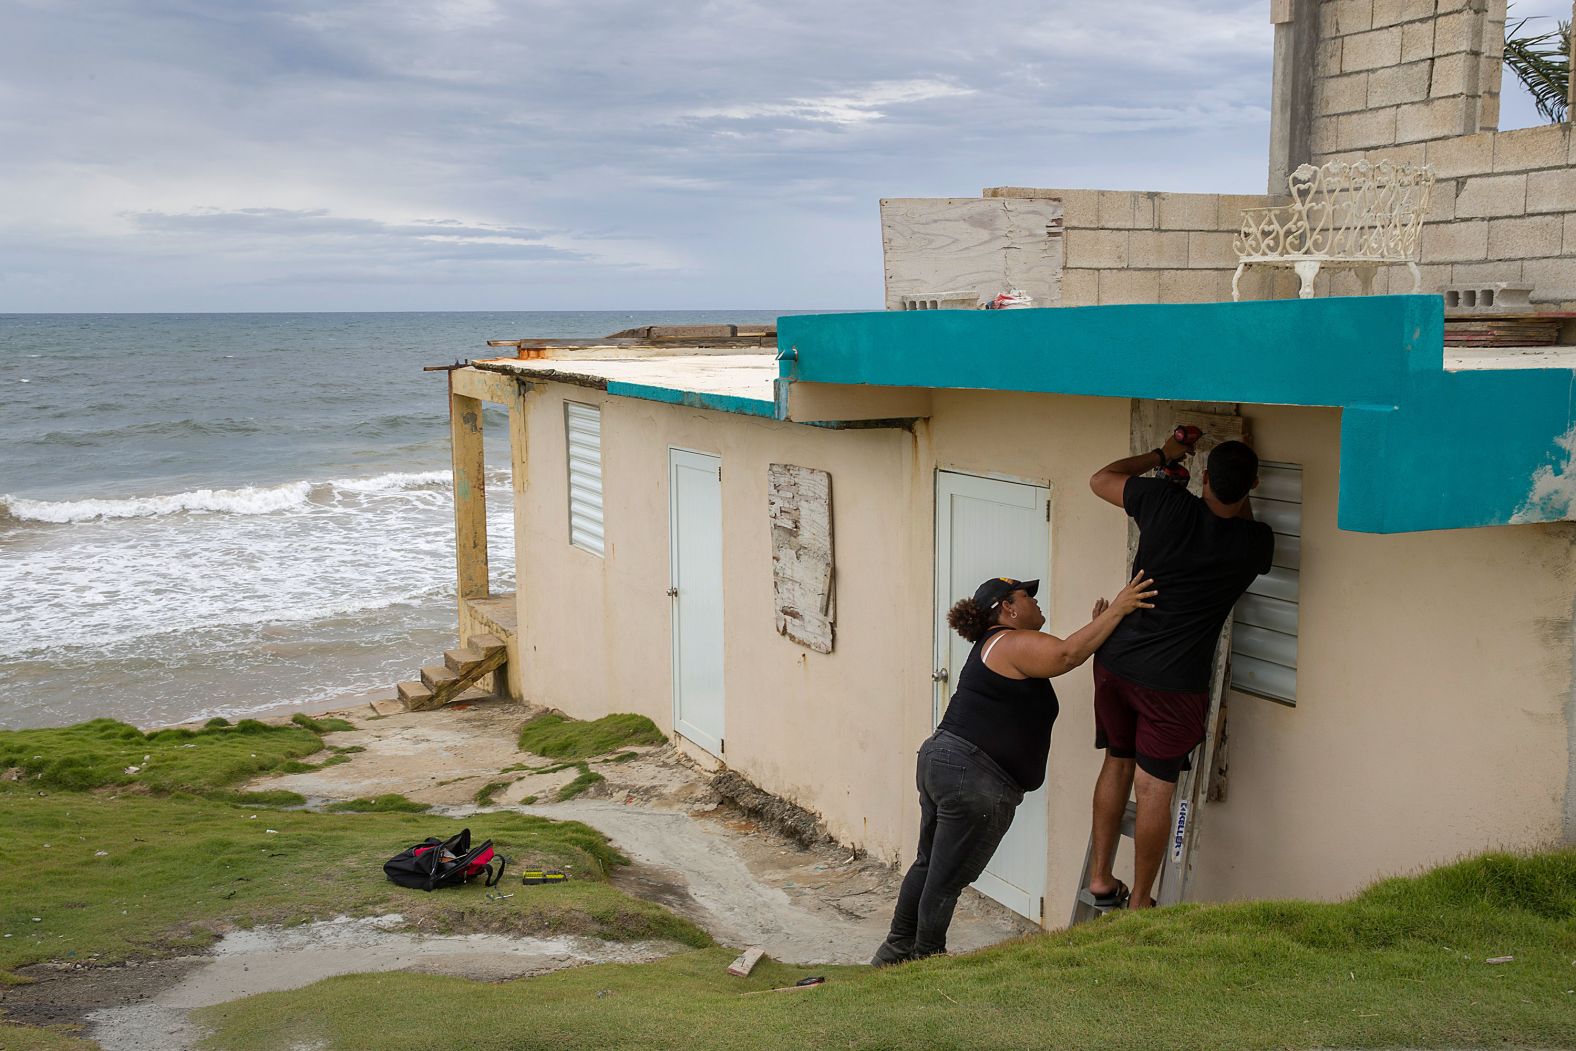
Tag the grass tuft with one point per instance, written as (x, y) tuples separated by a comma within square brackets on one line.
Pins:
[(587, 778), (321, 726), (105, 753), (484, 794), (559, 737), (392, 803)]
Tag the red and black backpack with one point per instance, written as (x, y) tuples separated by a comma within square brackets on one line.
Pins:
[(435, 863)]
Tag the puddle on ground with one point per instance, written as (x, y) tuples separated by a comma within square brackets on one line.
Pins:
[(268, 959)]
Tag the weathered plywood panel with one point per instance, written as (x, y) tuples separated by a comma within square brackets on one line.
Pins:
[(986, 244), (800, 506)]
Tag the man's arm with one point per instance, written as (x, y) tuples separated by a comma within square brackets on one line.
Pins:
[(1109, 481)]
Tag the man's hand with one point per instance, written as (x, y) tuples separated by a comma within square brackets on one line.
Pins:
[(1181, 442)]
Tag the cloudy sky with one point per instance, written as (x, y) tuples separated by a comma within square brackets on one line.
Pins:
[(549, 154)]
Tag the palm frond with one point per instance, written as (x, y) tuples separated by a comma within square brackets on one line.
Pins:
[(1542, 62)]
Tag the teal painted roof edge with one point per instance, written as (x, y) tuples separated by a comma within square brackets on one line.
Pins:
[(694, 399), (1421, 448)]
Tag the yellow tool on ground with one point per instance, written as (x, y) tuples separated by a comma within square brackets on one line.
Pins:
[(532, 877)]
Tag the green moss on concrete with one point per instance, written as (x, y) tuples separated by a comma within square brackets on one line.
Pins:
[(559, 737)]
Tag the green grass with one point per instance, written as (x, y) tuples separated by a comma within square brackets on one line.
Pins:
[(392, 803), (484, 794), (624, 757), (587, 778), (100, 753), (1400, 966), (559, 737), (177, 869), (528, 800), (54, 1038), (321, 726)]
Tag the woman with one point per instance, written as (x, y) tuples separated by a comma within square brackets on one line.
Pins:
[(990, 748)]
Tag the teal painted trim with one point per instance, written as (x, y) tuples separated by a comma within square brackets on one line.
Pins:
[(1420, 448), (695, 399)]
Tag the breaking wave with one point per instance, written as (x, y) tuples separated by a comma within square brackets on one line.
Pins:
[(248, 500)]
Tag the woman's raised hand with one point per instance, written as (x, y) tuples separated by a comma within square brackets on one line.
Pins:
[(1135, 595)]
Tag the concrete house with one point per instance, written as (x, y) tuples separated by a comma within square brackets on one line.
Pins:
[(753, 541)]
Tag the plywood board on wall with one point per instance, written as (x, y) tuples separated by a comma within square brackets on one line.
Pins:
[(803, 576), (986, 244)]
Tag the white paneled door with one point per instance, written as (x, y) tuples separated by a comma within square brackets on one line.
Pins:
[(986, 527), (695, 586)]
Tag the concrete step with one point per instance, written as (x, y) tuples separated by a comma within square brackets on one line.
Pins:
[(413, 695), (436, 677), (486, 645), (462, 660)]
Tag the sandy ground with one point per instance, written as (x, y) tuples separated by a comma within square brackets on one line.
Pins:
[(743, 884)]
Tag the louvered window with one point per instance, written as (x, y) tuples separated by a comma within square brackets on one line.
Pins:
[(1264, 630), (583, 424)]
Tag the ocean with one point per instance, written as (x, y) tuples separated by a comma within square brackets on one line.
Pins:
[(222, 514)]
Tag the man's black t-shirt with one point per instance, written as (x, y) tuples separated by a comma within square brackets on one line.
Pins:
[(1201, 564)]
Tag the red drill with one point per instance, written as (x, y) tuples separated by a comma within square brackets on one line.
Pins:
[(1186, 435)]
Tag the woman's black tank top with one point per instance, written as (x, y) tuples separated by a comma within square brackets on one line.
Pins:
[(1010, 719)]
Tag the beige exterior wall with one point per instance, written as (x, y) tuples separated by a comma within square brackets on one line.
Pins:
[(1435, 669)]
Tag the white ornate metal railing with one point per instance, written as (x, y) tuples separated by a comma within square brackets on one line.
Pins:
[(1347, 216)]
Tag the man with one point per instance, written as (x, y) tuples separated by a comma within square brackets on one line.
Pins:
[(1152, 676)]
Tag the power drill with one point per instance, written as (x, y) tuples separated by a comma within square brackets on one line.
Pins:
[(1176, 471)]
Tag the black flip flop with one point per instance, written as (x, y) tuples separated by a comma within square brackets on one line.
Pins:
[(1114, 900)]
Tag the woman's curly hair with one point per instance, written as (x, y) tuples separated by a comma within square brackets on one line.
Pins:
[(969, 619)]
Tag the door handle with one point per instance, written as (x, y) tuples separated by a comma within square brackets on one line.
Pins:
[(673, 592), (939, 675)]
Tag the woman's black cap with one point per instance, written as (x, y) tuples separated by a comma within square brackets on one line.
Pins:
[(997, 588)]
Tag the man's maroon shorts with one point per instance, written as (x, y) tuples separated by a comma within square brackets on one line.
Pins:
[(1158, 728)]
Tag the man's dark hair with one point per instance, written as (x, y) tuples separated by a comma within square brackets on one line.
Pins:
[(1233, 468)]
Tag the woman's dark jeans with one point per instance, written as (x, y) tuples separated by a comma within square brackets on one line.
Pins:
[(966, 803)]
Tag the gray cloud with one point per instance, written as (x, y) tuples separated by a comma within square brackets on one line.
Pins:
[(472, 154)]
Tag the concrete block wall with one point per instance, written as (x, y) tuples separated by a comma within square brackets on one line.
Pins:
[(1504, 209), (1125, 246), (1396, 74)]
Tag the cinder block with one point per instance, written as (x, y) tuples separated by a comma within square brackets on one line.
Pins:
[(1393, 85), (1232, 204), (1432, 279), (1116, 210), (1157, 249), (1486, 195), (1462, 155), (1327, 60), (1552, 191), (1391, 12), (1411, 153), (1130, 286), (1451, 75), (1080, 208), (1329, 27), (1367, 129), (1280, 11), (1527, 148), (1097, 249), (1461, 242), (1434, 119), (1442, 201), (1570, 236), (1144, 210), (1417, 40), (1187, 211), (1080, 288), (1552, 280), (1485, 273), (1191, 286), (1488, 112), (1353, 16), (1345, 94), (1324, 135), (1459, 31), (1372, 50), (1530, 237), (1211, 250)]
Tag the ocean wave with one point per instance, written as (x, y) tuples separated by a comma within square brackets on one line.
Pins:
[(155, 429), (247, 500)]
